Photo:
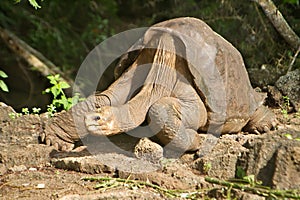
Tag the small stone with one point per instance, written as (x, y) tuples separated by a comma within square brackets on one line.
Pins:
[(40, 186), (148, 150), (32, 169)]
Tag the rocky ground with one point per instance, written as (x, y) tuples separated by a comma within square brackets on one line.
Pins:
[(29, 170)]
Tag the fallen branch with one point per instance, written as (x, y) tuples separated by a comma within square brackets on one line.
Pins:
[(266, 192), (32, 56), (279, 22), (293, 60)]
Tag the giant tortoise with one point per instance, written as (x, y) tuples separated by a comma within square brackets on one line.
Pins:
[(181, 77)]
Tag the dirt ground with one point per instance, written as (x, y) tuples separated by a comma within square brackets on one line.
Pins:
[(29, 170)]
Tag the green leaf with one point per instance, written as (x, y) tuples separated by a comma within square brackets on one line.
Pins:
[(52, 79), (288, 136), (3, 74), (56, 76), (36, 110), (64, 85), (25, 111), (240, 172), (47, 90), (3, 86), (34, 4), (65, 102), (54, 91)]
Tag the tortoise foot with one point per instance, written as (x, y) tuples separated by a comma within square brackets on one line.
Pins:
[(60, 133), (262, 121), (51, 139)]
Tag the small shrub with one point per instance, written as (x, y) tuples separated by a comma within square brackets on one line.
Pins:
[(60, 100)]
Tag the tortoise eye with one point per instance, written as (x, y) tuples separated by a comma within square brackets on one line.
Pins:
[(97, 118)]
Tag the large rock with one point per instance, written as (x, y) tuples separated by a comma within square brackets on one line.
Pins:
[(19, 144), (289, 85), (221, 161), (274, 159)]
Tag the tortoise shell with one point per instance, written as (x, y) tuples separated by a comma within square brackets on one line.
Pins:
[(217, 68)]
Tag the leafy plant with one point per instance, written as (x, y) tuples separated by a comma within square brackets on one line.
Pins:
[(51, 109), (14, 115), (59, 97), (207, 167), (25, 111), (3, 86), (36, 110), (60, 100)]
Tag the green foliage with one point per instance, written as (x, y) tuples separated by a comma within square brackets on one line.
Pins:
[(52, 31), (207, 167), (36, 110), (250, 179), (60, 100), (51, 109), (14, 115), (25, 111), (240, 172), (58, 86), (295, 2), (3, 86)]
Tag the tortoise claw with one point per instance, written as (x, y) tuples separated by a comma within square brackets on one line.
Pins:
[(42, 136), (262, 121), (55, 145), (266, 129), (64, 148), (48, 142)]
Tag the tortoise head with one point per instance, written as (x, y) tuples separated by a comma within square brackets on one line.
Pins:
[(92, 120), (102, 122)]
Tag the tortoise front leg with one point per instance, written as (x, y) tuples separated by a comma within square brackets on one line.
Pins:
[(160, 81), (65, 128)]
